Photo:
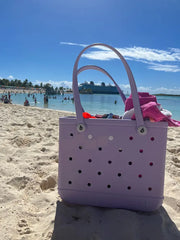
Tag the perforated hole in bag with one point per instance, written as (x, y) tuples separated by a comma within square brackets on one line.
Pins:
[(80, 147), (100, 148), (120, 150), (130, 163), (90, 136), (152, 138), (141, 150), (71, 134), (70, 158), (70, 182), (109, 162), (131, 138), (149, 189), (89, 160), (140, 175), (129, 187), (99, 173), (108, 186), (79, 171), (119, 174), (89, 184), (151, 164), (110, 138)]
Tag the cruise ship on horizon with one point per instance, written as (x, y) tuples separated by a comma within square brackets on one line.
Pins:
[(90, 88)]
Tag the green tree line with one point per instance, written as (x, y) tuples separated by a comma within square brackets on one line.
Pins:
[(19, 83), (49, 89)]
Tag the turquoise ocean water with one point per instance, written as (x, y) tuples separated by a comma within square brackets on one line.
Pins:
[(95, 103)]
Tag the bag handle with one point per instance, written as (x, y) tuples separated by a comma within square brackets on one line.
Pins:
[(79, 110), (87, 67)]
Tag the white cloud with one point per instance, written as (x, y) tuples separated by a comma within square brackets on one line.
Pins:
[(82, 45), (10, 77), (154, 58), (64, 84), (100, 55), (165, 67), (125, 86), (136, 54), (73, 44), (148, 54), (176, 53), (166, 90), (175, 90), (144, 89)]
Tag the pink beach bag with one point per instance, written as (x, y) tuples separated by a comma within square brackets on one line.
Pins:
[(117, 163)]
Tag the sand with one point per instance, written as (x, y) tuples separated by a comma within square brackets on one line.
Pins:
[(20, 90), (30, 208)]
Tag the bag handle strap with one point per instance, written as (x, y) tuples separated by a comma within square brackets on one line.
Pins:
[(79, 110), (87, 67)]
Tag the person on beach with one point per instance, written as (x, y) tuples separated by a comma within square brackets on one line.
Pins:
[(26, 102), (45, 99), (6, 100), (9, 96)]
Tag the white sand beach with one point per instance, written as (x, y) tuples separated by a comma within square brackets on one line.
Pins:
[(21, 90), (30, 208)]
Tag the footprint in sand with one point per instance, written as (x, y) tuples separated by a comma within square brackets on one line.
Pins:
[(173, 203), (21, 142), (175, 160), (19, 182), (23, 227), (173, 150), (48, 183)]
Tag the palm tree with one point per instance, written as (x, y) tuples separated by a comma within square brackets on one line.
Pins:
[(25, 83)]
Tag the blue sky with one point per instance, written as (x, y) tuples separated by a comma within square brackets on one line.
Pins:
[(40, 40)]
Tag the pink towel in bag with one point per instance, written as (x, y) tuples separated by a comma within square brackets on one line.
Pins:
[(150, 110), (144, 98)]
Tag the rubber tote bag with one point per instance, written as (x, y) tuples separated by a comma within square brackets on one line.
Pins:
[(111, 162)]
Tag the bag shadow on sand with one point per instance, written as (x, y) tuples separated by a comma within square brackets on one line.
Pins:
[(97, 223)]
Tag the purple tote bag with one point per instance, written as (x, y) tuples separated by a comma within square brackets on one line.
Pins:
[(111, 162)]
